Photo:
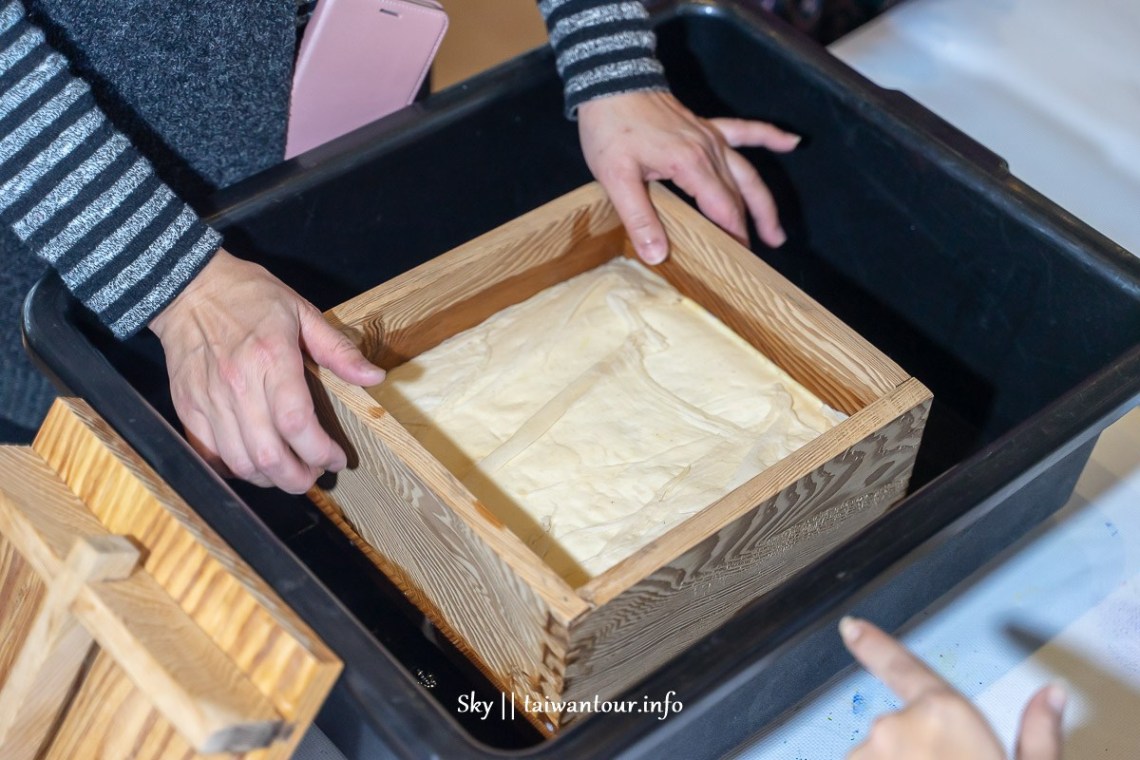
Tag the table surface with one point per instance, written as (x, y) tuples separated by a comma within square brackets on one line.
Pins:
[(1053, 87), (1063, 603)]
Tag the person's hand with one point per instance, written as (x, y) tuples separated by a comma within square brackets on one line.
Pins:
[(938, 723), (234, 340), (632, 138)]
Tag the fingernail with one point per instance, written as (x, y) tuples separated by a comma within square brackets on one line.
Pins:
[(799, 139), (654, 252), (371, 369), (850, 629), (1057, 697), (781, 237)]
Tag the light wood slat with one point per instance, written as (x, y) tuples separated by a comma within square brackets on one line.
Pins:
[(21, 594), (40, 517), (52, 654), (417, 310), (112, 718), (276, 650), (189, 678)]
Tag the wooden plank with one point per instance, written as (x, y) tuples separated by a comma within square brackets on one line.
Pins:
[(451, 556), (189, 679), (44, 673), (780, 320), (676, 604), (21, 594), (38, 515), (278, 652), (414, 312), (112, 718)]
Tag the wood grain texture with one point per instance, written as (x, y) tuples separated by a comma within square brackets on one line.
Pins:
[(190, 585), (278, 652), (21, 594), (112, 719), (38, 515), (678, 603), (780, 320), (445, 550), (191, 681), (93, 595), (52, 654), (416, 311)]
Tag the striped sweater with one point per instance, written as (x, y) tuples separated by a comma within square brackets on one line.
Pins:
[(84, 199)]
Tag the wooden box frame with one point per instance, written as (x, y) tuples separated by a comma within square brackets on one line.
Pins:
[(536, 637)]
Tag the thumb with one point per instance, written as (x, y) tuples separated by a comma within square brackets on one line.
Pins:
[(631, 201), (332, 349), (1040, 735)]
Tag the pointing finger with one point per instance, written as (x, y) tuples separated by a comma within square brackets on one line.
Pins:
[(888, 660)]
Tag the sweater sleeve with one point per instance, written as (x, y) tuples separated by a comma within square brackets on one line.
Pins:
[(602, 48), (80, 196)]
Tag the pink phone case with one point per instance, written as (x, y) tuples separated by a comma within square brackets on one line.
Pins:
[(359, 60)]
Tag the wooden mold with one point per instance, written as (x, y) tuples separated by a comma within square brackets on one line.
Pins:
[(539, 639), (130, 630)]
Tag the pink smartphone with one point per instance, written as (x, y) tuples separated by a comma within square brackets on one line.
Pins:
[(359, 60)]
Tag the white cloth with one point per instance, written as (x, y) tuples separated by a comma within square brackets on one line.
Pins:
[(1052, 86)]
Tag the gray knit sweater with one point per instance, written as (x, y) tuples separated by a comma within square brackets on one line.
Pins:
[(94, 176)]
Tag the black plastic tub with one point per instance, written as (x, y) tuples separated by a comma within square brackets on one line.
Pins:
[(1023, 322)]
